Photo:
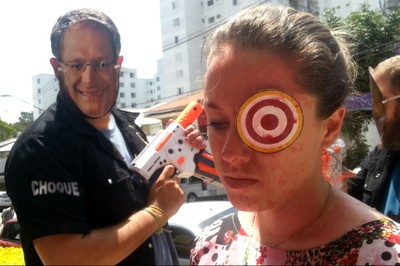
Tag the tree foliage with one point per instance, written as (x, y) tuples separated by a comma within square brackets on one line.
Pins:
[(6, 131), (25, 120), (374, 35)]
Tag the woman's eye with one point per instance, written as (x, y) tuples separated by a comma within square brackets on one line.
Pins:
[(218, 125)]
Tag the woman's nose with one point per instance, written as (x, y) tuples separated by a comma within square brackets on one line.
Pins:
[(234, 149)]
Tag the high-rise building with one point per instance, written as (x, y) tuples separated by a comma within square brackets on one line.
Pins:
[(185, 25)]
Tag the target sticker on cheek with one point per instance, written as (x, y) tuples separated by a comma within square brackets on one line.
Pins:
[(269, 121)]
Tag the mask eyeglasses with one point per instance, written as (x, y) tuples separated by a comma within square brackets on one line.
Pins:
[(390, 99), (102, 67)]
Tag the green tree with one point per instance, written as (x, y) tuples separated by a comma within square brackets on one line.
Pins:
[(374, 34), (6, 131), (25, 120), (331, 19)]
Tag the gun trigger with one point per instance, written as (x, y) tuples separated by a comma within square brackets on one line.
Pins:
[(181, 160)]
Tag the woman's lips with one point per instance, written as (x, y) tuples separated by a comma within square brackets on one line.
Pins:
[(238, 182)]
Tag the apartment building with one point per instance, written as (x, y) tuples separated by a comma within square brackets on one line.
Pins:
[(184, 26)]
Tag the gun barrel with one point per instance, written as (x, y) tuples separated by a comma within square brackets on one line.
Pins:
[(189, 114)]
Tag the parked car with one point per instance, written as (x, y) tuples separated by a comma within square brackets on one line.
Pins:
[(191, 219), (10, 234), (5, 201), (197, 189)]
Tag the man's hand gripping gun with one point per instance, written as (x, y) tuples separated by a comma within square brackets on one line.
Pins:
[(169, 147)]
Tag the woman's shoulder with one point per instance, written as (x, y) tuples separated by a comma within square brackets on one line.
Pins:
[(383, 229), (374, 242)]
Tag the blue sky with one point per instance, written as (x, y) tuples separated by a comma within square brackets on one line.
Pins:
[(25, 46)]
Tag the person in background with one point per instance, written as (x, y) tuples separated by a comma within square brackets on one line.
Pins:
[(77, 199), (287, 76), (378, 181), (7, 214)]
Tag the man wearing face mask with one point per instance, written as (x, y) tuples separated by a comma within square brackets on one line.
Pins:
[(378, 181), (68, 175)]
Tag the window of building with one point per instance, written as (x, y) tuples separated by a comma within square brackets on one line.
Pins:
[(176, 39), (122, 94), (159, 97), (180, 91), (179, 73), (133, 95), (122, 105), (121, 74), (38, 81), (210, 2), (133, 105), (234, 2), (133, 85), (157, 79), (39, 91), (218, 16), (178, 57), (158, 88), (211, 19), (121, 85), (176, 22)]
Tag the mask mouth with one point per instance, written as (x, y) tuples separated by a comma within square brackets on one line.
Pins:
[(379, 124), (390, 136), (75, 107)]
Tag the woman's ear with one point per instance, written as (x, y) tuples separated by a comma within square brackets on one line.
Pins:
[(333, 127)]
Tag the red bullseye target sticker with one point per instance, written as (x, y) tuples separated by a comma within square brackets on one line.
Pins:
[(269, 121)]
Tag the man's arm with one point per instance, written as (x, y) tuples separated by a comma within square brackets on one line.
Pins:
[(112, 244)]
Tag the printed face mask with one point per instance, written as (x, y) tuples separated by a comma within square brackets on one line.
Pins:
[(378, 108), (269, 121)]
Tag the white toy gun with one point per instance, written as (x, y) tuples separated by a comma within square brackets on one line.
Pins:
[(169, 147)]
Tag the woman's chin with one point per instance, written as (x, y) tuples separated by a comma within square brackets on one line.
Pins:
[(242, 202)]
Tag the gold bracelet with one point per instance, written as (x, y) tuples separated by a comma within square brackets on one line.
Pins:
[(158, 215)]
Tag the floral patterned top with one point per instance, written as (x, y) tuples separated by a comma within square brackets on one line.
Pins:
[(225, 243)]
